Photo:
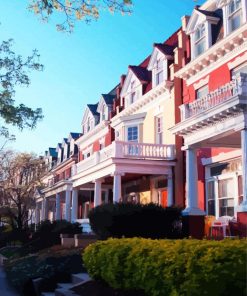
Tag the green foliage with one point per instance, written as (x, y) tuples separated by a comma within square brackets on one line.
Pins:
[(131, 220), (77, 10), (170, 267), (47, 264), (48, 234), (14, 71)]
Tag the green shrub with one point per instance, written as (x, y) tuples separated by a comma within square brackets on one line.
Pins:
[(48, 264), (135, 220), (48, 234), (170, 267)]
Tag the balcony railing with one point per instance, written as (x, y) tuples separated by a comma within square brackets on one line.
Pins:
[(236, 87), (120, 149)]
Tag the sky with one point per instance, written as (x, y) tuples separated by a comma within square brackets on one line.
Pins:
[(79, 67)]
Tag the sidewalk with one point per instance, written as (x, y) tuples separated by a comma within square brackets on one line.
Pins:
[(5, 289)]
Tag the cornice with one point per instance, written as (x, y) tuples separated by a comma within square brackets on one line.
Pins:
[(163, 88), (93, 132), (218, 54)]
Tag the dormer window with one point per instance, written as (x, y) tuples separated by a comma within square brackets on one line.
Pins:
[(234, 15), (104, 112), (200, 40), (159, 72), (133, 95)]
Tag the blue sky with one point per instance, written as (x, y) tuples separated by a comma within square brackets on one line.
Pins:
[(82, 65)]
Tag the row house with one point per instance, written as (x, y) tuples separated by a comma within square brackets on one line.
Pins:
[(126, 152), (53, 199), (172, 132), (214, 111)]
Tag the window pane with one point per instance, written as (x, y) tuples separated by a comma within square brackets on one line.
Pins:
[(132, 133), (211, 207), (235, 22), (200, 47), (226, 188), (202, 92)]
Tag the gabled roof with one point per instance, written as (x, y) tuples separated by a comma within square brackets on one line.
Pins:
[(73, 136), (59, 146), (108, 98), (141, 73), (52, 152), (200, 16), (164, 48), (93, 108)]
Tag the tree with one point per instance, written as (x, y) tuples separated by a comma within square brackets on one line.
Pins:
[(73, 10), (14, 71), (20, 175)]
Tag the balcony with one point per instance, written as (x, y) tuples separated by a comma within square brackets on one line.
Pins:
[(126, 150), (222, 103)]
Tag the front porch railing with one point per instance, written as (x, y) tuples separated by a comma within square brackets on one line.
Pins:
[(238, 86), (120, 149)]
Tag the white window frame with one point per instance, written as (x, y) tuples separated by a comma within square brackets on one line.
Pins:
[(202, 90), (231, 14), (200, 40), (159, 70), (127, 133), (229, 175)]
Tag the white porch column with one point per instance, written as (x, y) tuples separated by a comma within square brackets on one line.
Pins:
[(97, 192), (117, 191), (243, 206), (74, 205), (37, 214), (67, 205), (44, 209), (191, 184), (58, 207), (170, 191)]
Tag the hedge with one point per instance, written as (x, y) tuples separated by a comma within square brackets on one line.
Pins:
[(170, 267), (135, 220)]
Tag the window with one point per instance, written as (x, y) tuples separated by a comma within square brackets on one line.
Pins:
[(133, 93), (159, 130), (132, 134), (211, 198), (159, 72), (240, 69), (226, 197), (234, 15), (200, 40), (201, 92), (104, 112)]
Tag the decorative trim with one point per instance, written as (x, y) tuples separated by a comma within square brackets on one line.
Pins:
[(238, 61), (201, 83), (93, 132)]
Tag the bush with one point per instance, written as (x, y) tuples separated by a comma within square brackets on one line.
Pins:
[(48, 234), (131, 220), (52, 265), (170, 267)]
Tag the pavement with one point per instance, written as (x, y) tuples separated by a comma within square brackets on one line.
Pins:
[(5, 288)]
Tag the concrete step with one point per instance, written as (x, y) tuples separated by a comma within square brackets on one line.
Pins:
[(79, 278), (65, 285), (64, 292)]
